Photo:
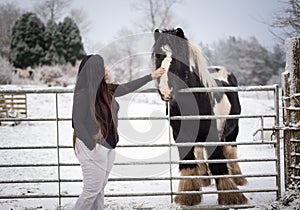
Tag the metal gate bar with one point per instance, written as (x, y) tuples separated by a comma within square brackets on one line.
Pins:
[(148, 145), (144, 178)]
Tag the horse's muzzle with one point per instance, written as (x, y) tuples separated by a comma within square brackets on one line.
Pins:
[(164, 96)]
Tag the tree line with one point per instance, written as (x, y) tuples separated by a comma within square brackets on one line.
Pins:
[(51, 42), (251, 62)]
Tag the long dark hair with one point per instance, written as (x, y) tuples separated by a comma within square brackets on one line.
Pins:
[(105, 117), (91, 75)]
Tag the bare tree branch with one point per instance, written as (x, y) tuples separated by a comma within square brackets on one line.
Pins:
[(274, 34), (167, 11), (288, 19), (152, 14), (81, 19), (9, 13), (51, 9), (158, 13)]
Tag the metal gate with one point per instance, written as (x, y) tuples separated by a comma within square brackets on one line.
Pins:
[(58, 164)]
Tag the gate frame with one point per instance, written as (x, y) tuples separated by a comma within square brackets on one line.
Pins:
[(171, 193)]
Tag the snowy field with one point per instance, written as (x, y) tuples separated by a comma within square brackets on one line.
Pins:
[(131, 132)]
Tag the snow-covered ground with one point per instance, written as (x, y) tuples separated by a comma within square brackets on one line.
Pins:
[(131, 132)]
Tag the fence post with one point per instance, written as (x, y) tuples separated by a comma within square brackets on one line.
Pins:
[(286, 122), (291, 91)]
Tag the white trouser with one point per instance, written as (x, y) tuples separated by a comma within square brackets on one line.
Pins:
[(96, 165)]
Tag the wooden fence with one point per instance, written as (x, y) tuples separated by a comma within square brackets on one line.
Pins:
[(13, 106)]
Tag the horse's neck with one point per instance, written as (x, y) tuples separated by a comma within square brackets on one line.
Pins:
[(194, 80)]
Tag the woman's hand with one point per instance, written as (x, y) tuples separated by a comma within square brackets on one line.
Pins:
[(157, 73)]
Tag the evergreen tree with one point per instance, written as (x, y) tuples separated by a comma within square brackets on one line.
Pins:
[(27, 41), (72, 43), (54, 45), (259, 59)]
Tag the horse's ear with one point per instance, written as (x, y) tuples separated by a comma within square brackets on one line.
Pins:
[(156, 34), (179, 32)]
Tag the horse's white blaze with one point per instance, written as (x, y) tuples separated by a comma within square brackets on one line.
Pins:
[(163, 84), (222, 108)]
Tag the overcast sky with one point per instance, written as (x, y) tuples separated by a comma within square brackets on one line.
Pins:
[(202, 20)]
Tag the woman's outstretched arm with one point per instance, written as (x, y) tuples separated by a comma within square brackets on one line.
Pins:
[(123, 89)]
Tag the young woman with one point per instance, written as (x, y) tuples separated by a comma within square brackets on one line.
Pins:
[(94, 120)]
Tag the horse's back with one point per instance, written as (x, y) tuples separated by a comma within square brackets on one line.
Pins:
[(221, 73)]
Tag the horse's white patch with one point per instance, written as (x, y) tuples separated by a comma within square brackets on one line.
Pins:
[(222, 74), (222, 108), (163, 84)]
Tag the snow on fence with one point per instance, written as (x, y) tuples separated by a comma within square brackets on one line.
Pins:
[(291, 111), (171, 177)]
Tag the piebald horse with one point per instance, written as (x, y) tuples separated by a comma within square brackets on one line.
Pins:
[(186, 67)]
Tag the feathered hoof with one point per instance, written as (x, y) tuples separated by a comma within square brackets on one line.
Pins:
[(232, 199), (240, 181), (187, 185), (229, 198), (188, 200)]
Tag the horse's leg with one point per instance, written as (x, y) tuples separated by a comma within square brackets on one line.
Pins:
[(225, 183), (187, 153), (199, 155), (230, 152)]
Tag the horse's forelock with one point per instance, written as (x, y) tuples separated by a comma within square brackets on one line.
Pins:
[(178, 45)]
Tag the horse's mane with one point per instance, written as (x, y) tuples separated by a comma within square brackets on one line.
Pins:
[(198, 61)]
